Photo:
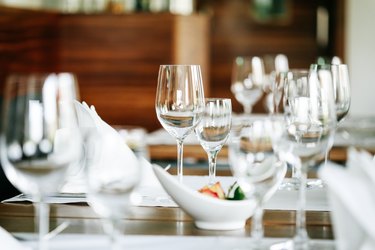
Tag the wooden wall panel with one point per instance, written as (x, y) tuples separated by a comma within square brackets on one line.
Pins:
[(117, 58), (234, 31), (27, 41)]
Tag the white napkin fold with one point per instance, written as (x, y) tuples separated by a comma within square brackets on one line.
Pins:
[(103, 145), (351, 196)]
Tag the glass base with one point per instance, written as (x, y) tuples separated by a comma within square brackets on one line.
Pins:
[(315, 184), (290, 184), (293, 184)]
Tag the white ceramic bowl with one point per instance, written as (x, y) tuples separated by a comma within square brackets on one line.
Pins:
[(207, 212)]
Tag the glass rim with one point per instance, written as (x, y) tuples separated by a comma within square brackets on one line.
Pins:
[(180, 65), (217, 99)]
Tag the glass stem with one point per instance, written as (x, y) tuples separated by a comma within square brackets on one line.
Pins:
[(180, 151), (296, 173), (301, 233), (111, 228), (247, 109), (257, 230), (331, 140), (212, 167), (297, 167), (42, 222)]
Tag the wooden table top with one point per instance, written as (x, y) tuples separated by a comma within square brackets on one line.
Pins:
[(157, 221), (169, 152), (19, 217)]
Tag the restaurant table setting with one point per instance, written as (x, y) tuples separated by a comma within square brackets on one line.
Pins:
[(114, 176), (150, 190)]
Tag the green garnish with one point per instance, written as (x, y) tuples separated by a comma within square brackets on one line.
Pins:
[(235, 192)]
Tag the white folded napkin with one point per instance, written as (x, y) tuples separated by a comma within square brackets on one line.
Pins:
[(103, 145), (351, 197)]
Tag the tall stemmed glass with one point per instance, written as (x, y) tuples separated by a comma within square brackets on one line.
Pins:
[(253, 159), (285, 80), (179, 103), (342, 97), (112, 175), (341, 88), (213, 130), (40, 139), (310, 121), (274, 66), (247, 81)]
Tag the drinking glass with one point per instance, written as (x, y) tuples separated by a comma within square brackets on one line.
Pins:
[(40, 138), (179, 103), (247, 81), (288, 79), (253, 160), (328, 60), (112, 175), (342, 97), (341, 88), (274, 66), (310, 116), (213, 130)]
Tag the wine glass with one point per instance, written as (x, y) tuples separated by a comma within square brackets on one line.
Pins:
[(179, 103), (342, 97), (112, 176), (253, 160), (288, 79), (341, 88), (247, 81), (310, 116), (328, 60), (274, 66), (213, 130), (40, 138)]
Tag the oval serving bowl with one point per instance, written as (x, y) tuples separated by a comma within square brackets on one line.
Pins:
[(208, 212)]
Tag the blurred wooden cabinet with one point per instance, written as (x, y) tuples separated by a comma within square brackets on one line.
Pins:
[(115, 57), (256, 28)]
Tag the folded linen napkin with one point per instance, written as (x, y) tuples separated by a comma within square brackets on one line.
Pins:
[(103, 145), (351, 197)]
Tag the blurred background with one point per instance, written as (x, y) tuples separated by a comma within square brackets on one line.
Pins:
[(116, 46)]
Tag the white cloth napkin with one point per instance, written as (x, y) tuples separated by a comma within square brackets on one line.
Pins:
[(103, 145), (351, 196)]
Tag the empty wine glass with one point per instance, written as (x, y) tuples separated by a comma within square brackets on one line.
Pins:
[(328, 60), (179, 103), (213, 130), (247, 81), (274, 65), (342, 97), (310, 121), (253, 160), (112, 176), (341, 88), (288, 79), (40, 138)]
